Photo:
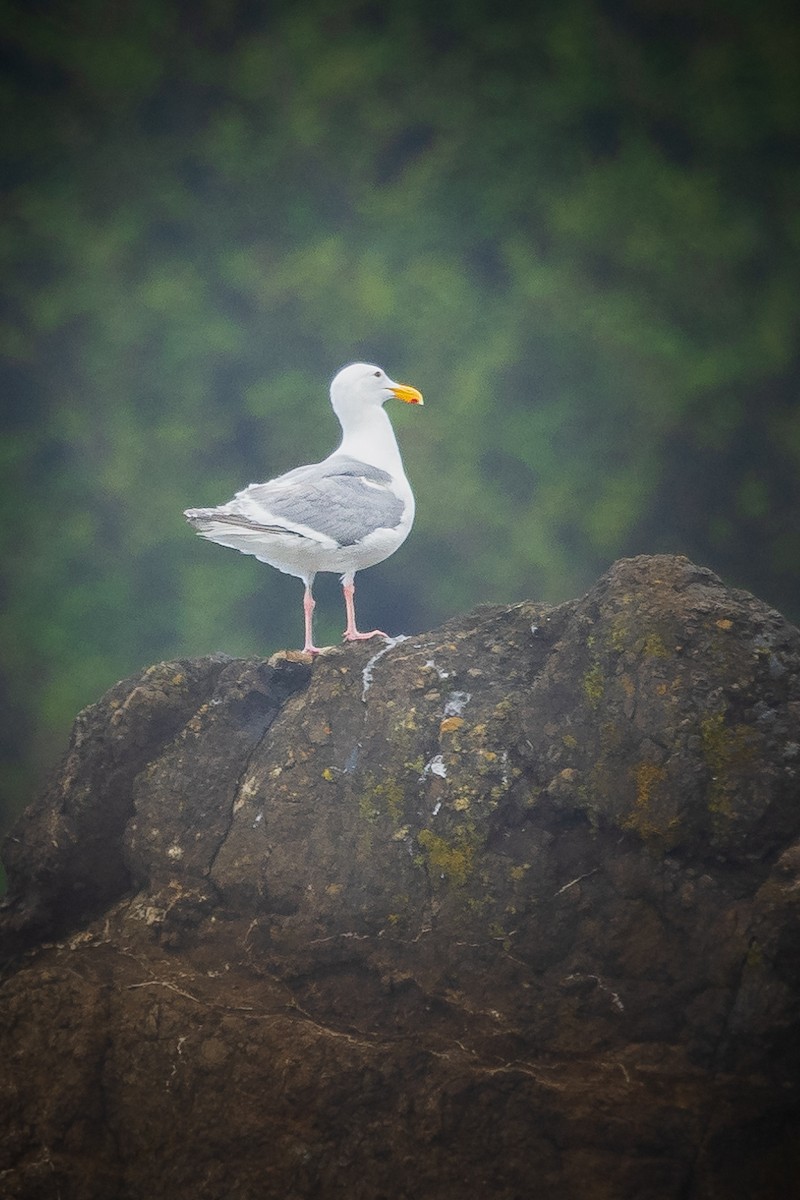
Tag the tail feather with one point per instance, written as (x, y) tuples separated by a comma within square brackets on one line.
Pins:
[(200, 516), (206, 520)]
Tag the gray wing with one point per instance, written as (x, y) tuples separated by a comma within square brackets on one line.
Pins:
[(342, 498)]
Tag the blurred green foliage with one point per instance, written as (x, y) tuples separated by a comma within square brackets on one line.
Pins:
[(574, 225)]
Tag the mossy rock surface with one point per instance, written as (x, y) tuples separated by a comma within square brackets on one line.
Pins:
[(512, 902)]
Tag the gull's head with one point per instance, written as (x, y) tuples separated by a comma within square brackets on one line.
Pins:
[(363, 385)]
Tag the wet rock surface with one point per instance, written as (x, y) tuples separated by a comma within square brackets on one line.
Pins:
[(507, 909)]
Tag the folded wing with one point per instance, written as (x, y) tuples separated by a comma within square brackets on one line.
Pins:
[(338, 502)]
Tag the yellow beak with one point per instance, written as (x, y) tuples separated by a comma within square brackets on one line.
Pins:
[(408, 394)]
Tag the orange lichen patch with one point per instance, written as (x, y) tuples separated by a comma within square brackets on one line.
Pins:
[(654, 826), (451, 724), (647, 775)]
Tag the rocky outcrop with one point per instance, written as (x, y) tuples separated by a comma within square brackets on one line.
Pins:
[(509, 909)]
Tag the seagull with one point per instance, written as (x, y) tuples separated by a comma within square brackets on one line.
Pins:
[(348, 512)]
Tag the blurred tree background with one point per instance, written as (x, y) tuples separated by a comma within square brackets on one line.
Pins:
[(574, 224)]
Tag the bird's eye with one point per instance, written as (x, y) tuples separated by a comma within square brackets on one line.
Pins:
[(378, 374)]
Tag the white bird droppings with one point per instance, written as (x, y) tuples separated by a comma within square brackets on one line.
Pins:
[(456, 702), (442, 674), (436, 767), (369, 669)]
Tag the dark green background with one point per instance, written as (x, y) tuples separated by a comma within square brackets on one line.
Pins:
[(574, 225)]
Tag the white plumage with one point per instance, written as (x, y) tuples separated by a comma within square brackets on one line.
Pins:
[(343, 514)]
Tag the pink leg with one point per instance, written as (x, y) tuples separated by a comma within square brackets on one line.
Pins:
[(308, 611), (351, 634)]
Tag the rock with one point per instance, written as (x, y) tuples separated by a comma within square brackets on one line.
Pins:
[(511, 908)]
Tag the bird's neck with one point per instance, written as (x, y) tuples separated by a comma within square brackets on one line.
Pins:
[(371, 439)]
